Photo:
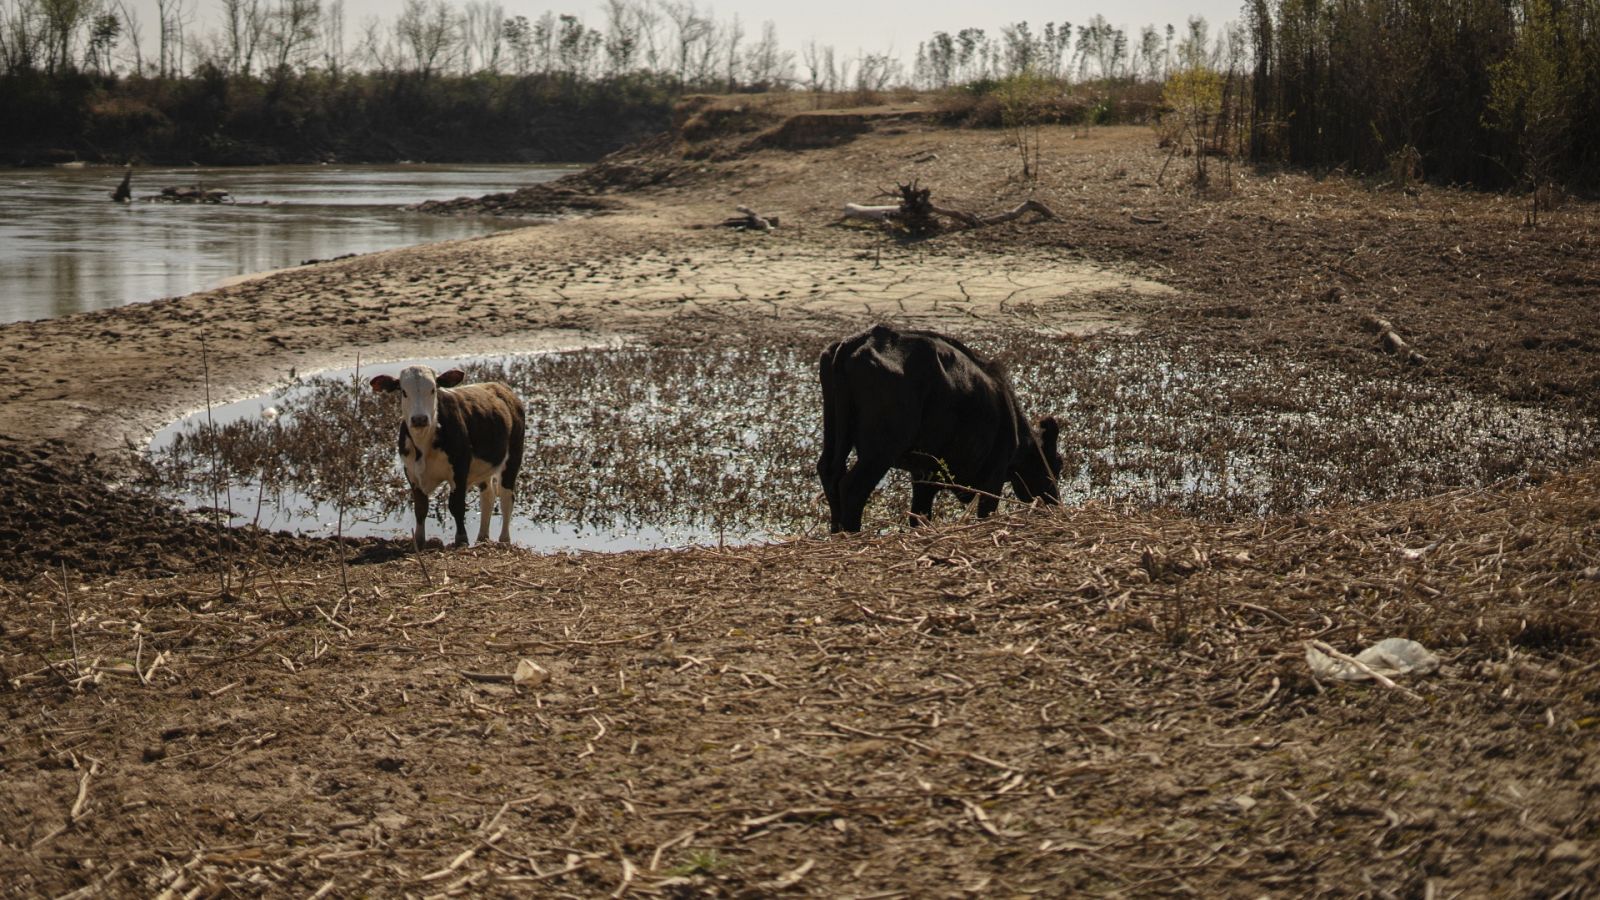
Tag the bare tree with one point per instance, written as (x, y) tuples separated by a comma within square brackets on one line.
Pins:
[(244, 22), (291, 33), (170, 19), (690, 30), (707, 54), (577, 45), (768, 65), (543, 42), (131, 28), (104, 31), (379, 47), (518, 33), (62, 20), (483, 35), (622, 37), (647, 27), (874, 72), (22, 35), (838, 72), (732, 35), (332, 38), (429, 35), (811, 57)]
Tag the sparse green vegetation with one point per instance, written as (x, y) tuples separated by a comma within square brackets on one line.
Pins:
[(698, 862)]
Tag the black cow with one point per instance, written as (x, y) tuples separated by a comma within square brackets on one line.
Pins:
[(925, 403), (470, 436)]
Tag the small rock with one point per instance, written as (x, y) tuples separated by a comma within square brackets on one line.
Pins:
[(391, 822)]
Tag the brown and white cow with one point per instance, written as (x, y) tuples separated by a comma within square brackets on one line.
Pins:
[(469, 436)]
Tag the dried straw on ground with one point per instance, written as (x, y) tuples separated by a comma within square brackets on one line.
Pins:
[(1090, 700)]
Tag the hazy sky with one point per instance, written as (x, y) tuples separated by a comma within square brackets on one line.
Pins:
[(848, 25)]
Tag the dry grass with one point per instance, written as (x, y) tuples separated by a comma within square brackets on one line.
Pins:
[(1096, 701)]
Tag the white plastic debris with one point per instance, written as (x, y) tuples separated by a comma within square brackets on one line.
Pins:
[(530, 674), (1387, 658)]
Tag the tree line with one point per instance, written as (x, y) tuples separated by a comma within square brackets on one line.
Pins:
[(268, 80), (1490, 92), (677, 42), (674, 40)]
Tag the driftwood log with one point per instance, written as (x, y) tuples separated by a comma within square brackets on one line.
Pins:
[(750, 220), (1390, 340), (124, 191), (916, 211), (191, 194)]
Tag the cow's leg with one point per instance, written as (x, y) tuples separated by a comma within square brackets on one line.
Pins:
[(989, 499), (830, 490), (419, 504), (922, 497), (458, 510), (486, 496), (858, 485), (836, 435), (505, 514)]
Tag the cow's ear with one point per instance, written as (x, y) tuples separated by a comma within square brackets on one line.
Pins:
[(1049, 431), (451, 378), (382, 384)]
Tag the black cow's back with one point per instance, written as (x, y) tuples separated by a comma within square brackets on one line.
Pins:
[(918, 401)]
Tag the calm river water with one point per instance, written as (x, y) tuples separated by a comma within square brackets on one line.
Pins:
[(65, 247)]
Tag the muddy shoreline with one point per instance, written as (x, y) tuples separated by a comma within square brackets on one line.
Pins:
[(1282, 263)]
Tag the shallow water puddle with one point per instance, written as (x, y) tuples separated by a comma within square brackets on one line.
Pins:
[(632, 447)]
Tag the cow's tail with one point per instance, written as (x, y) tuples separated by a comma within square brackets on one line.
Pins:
[(838, 426)]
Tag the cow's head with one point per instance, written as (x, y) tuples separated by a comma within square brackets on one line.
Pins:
[(1038, 469), (419, 393)]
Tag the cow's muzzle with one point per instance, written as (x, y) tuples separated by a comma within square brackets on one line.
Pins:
[(419, 421)]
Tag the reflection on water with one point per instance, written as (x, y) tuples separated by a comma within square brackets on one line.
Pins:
[(65, 247)]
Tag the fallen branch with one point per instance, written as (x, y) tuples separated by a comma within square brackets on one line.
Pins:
[(1021, 209), (462, 857), (750, 220), (83, 792), (1390, 340), (870, 213), (916, 210), (788, 879)]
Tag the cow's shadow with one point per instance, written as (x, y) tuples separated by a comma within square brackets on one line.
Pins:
[(382, 551)]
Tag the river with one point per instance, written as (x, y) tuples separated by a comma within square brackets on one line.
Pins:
[(65, 247)]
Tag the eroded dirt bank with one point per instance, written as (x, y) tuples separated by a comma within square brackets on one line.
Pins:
[(1100, 701)]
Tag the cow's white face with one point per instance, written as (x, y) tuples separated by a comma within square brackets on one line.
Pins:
[(419, 396)]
